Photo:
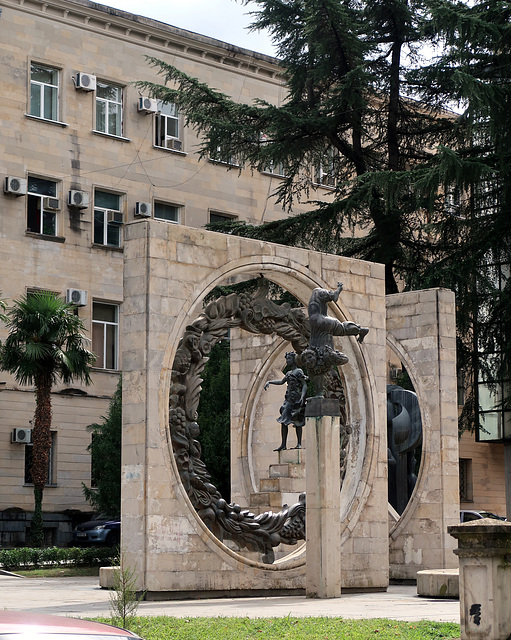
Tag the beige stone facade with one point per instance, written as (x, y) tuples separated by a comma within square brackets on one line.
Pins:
[(52, 136)]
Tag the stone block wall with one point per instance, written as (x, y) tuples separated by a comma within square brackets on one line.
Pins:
[(422, 332)]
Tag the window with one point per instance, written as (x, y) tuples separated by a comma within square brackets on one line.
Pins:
[(107, 218), (42, 206), (224, 156), (167, 127), (493, 384), (169, 212), (105, 335), (452, 202), (50, 479), (466, 486), (44, 92), (326, 172), (276, 169), (108, 108), (215, 216)]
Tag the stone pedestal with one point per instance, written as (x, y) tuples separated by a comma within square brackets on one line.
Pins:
[(484, 551), (323, 525)]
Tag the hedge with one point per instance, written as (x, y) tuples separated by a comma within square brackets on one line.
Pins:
[(25, 557)]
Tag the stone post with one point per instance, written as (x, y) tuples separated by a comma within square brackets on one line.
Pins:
[(484, 551), (323, 487)]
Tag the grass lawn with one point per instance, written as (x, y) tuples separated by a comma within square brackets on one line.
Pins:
[(58, 572), (167, 628)]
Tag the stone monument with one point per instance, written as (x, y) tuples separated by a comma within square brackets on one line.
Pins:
[(323, 477)]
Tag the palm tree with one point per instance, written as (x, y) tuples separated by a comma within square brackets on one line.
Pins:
[(45, 343)]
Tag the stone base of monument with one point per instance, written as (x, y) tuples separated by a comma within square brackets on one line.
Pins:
[(284, 483), (438, 583), (323, 527), (484, 552)]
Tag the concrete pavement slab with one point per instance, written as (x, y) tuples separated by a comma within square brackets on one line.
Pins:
[(82, 597)]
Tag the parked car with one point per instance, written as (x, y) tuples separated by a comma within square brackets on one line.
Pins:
[(106, 532), (22, 625), (467, 516)]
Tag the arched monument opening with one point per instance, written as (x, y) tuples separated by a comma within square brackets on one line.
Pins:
[(169, 271)]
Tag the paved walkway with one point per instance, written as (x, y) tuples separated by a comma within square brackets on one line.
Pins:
[(82, 597)]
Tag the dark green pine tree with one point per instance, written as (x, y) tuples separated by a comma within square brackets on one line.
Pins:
[(473, 247), (105, 450), (214, 417), (415, 186), (346, 113)]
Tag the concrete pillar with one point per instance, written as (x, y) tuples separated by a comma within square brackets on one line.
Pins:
[(484, 551), (323, 486)]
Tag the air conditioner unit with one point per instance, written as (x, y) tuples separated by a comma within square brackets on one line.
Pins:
[(78, 199), (147, 105), (143, 209), (78, 297), (174, 143), (21, 436), (15, 186), (114, 217), (85, 82), (51, 204)]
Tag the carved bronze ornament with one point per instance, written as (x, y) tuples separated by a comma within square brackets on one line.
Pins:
[(256, 314)]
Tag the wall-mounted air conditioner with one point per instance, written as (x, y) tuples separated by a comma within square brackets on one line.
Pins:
[(21, 436), (114, 217), (143, 209), (174, 143), (78, 199), (51, 204), (78, 297), (85, 82), (147, 105), (15, 186)]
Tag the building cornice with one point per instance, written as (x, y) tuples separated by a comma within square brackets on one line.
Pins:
[(152, 34)]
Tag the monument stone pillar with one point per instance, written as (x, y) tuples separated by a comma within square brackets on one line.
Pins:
[(484, 552), (323, 488)]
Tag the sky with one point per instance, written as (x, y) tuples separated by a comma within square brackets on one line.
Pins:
[(221, 19)]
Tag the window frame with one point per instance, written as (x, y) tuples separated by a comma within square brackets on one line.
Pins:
[(491, 391), (100, 83), (41, 85), (466, 483), (104, 323), (327, 178), (222, 158), (107, 225), (170, 142), (178, 208), (40, 211), (223, 217)]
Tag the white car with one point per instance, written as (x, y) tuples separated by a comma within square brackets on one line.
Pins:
[(467, 516), (20, 625)]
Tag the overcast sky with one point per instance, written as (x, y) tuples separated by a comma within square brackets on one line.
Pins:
[(222, 19)]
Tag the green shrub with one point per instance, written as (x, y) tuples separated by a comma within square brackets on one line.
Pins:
[(25, 557)]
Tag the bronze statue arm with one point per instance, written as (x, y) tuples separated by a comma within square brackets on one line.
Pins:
[(274, 382), (304, 391), (336, 293)]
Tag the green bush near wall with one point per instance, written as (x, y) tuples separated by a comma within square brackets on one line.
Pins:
[(25, 557)]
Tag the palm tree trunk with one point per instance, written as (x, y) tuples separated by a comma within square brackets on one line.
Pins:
[(41, 438)]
